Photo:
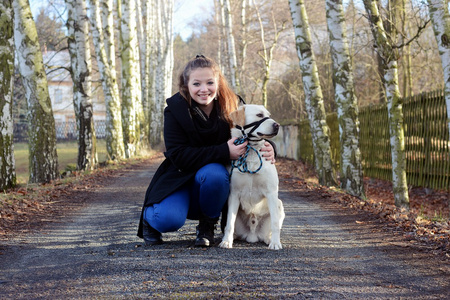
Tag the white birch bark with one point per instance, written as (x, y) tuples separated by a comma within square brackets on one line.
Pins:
[(114, 135), (223, 47), (244, 45), (313, 95), (440, 18), (7, 161), (144, 53), (231, 47), (395, 110), (80, 55), (351, 173), (149, 104), (163, 68), (130, 81), (168, 31), (106, 23), (43, 160)]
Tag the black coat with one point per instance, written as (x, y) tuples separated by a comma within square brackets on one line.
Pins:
[(187, 150)]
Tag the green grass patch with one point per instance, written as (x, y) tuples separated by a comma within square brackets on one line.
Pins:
[(67, 157)]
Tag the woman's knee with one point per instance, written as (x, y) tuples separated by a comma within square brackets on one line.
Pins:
[(214, 173), (164, 220), (170, 214)]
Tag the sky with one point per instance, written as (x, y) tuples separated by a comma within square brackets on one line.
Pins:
[(185, 12)]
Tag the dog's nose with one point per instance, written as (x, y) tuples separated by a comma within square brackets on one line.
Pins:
[(276, 126)]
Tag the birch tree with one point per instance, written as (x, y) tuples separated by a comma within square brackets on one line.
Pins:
[(163, 68), (228, 23), (103, 37), (313, 95), (440, 18), (80, 56), (43, 160), (389, 55), (244, 45), (7, 161), (130, 83), (142, 15), (149, 102), (351, 175)]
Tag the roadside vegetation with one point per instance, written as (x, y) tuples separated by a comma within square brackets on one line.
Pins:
[(67, 157)]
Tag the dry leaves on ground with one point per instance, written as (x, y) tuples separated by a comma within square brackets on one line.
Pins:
[(427, 221)]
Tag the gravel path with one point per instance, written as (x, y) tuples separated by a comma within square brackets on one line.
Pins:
[(328, 253)]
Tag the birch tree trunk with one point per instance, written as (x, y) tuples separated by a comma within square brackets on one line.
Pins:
[(130, 83), (351, 174), (106, 64), (143, 10), (7, 161), (313, 95), (244, 45), (164, 67), (168, 29), (80, 56), (224, 54), (389, 56), (149, 103), (43, 160), (231, 46), (440, 18)]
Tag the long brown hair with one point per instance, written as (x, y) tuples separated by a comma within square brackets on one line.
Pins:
[(226, 98)]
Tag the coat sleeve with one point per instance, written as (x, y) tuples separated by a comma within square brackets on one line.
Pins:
[(183, 154)]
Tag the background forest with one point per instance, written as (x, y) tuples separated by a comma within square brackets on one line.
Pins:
[(281, 54)]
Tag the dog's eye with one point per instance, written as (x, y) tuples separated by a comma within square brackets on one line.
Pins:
[(260, 115)]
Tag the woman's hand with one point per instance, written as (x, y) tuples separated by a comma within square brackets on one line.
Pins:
[(268, 152), (236, 150)]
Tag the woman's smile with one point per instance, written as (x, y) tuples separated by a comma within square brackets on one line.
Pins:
[(203, 88)]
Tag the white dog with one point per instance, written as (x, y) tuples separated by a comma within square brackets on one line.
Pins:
[(254, 211)]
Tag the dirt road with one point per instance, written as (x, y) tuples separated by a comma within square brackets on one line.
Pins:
[(92, 252)]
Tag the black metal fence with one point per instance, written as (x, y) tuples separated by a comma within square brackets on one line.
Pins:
[(64, 130)]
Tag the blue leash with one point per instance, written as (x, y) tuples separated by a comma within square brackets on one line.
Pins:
[(241, 162)]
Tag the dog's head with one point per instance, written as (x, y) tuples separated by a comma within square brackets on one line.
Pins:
[(254, 121)]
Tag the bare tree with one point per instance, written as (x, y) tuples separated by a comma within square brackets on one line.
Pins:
[(440, 18), (313, 95), (344, 94), (131, 83), (228, 26), (266, 53), (80, 56), (7, 161), (163, 68), (389, 54), (43, 164), (103, 37)]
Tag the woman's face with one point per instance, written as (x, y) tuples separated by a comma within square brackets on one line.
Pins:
[(203, 86)]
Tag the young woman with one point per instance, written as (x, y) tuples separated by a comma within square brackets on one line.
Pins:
[(193, 182)]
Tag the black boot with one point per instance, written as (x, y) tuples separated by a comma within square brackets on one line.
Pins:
[(151, 235), (205, 232)]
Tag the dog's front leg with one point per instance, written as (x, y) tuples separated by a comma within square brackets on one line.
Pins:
[(276, 220), (233, 207)]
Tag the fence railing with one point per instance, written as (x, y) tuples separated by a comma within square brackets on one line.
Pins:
[(427, 143), (64, 130)]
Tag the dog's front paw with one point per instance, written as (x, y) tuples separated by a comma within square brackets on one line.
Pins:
[(226, 244), (275, 246)]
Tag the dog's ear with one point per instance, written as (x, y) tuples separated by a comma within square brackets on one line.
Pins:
[(238, 116)]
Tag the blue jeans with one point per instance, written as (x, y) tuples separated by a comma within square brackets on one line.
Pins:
[(205, 196)]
